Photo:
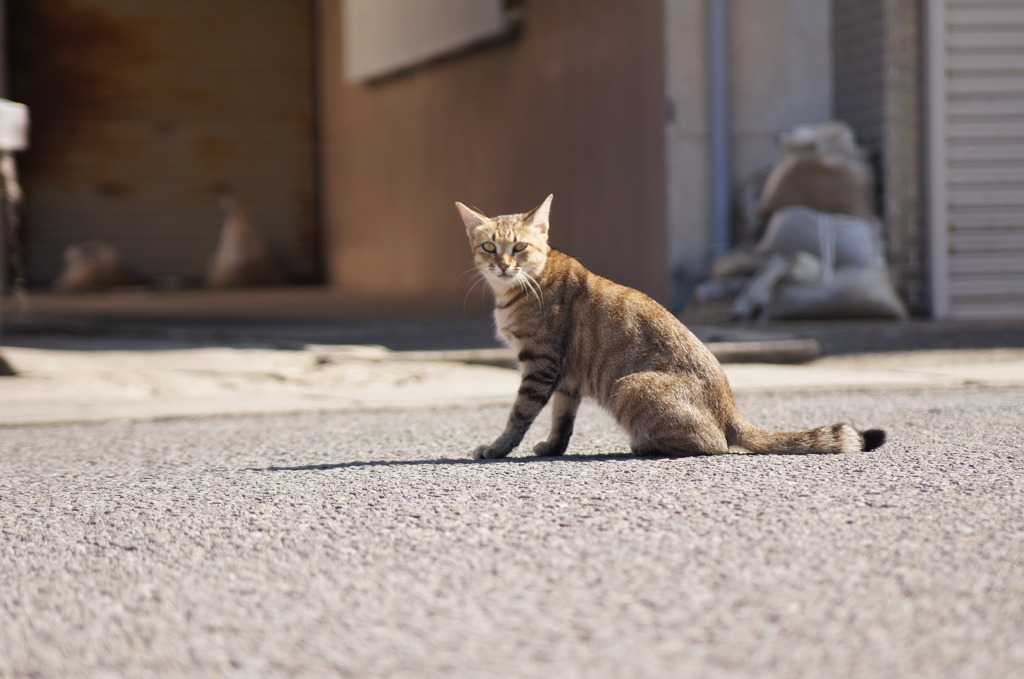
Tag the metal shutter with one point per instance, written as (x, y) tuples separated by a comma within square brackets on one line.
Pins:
[(976, 61), (143, 112)]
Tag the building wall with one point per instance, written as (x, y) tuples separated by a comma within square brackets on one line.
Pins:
[(858, 48), (902, 200), (877, 57), (572, 106), (781, 77)]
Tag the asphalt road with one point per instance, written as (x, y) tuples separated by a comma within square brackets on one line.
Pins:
[(367, 544)]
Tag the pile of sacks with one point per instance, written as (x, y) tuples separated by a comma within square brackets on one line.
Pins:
[(821, 253)]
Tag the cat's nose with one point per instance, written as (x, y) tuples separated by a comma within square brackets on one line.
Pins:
[(502, 266)]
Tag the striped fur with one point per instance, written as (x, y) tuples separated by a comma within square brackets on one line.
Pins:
[(578, 334)]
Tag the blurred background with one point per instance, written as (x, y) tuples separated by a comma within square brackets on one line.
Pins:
[(314, 148)]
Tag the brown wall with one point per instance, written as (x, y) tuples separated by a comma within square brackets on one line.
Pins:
[(573, 106)]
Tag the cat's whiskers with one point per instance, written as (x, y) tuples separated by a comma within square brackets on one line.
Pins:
[(536, 286), (528, 282), (473, 270), (480, 278)]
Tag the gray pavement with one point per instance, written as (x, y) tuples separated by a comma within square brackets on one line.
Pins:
[(366, 544), (216, 485)]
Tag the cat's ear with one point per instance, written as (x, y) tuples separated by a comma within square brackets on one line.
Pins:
[(538, 216), (472, 218)]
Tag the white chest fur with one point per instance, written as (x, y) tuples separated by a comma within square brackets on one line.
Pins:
[(503, 323)]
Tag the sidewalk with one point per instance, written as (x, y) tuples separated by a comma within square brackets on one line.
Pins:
[(91, 366), (69, 379)]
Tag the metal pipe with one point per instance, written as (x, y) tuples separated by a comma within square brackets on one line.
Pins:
[(719, 124)]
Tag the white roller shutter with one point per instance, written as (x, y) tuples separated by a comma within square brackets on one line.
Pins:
[(976, 159)]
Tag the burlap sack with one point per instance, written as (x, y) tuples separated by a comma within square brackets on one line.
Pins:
[(242, 257), (841, 239), (822, 168), (851, 292), (92, 266)]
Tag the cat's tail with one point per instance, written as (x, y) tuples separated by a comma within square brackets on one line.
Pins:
[(836, 438)]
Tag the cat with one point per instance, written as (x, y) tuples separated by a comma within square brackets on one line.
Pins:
[(577, 334)]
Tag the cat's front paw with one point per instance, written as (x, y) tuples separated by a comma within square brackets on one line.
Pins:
[(488, 453)]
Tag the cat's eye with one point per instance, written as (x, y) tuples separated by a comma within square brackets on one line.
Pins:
[(489, 247), (519, 247)]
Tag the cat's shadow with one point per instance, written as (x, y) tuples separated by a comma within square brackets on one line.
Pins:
[(528, 459), (355, 464)]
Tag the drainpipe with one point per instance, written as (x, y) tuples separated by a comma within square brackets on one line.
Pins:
[(719, 124)]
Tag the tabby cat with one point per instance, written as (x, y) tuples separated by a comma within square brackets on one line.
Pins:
[(578, 334)]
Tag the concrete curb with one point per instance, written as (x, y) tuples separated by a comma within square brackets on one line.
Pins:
[(766, 351), (734, 347), (98, 380), (5, 368), (769, 351)]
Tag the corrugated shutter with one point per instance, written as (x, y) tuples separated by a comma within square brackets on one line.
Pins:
[(978, 135), (143, 112)]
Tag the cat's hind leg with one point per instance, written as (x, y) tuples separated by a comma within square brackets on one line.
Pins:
[(659, 413), (563, 416), (687, 434), (674, 448)]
